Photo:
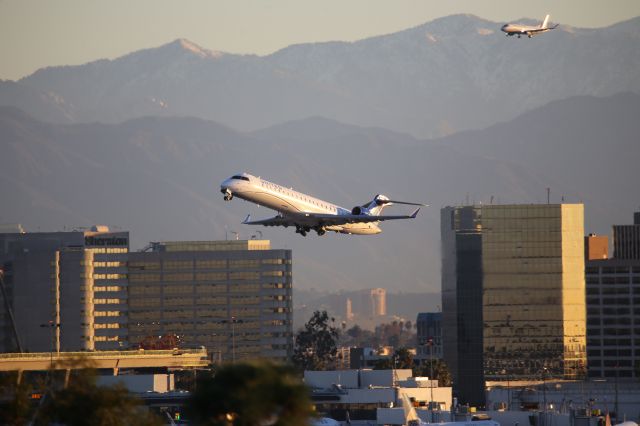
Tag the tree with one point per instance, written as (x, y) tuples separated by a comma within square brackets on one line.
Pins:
[(401, 358), (248, 394), (15, 405), (315, 347), (84, 402), (441, 371)]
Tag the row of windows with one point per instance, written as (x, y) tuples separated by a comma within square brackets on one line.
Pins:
[(109, 288), (609, 321), (199, 264), (107, 264), (107, 338), (107, 313), (612, 311), (108, 250), (613, 301), (611, 342), (109, 325), (107, 301), (297, 195), (109, 276), (201, 276), (613, 280), (612, 269), (609, 352)]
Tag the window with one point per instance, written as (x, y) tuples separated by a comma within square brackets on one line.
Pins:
[(239, 177)]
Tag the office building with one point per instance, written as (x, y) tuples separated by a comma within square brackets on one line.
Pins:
[(67, 290), (613, 307), (429, 335), (232, 297), (513, 294), (626, 239), (367, 304)]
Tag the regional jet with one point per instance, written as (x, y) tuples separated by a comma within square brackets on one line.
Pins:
[(529, 30), (307, 213)]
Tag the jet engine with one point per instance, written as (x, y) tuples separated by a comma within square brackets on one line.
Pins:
[(358, 210)]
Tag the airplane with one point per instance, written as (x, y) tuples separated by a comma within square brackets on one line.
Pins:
[(412, 419), (307, 213), (529, 30)]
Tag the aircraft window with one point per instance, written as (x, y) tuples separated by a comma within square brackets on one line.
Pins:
[(240, 177)]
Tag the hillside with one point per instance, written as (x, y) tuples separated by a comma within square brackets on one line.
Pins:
[(159, 178)]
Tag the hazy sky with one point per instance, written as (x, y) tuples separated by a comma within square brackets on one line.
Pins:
[(37, 33)]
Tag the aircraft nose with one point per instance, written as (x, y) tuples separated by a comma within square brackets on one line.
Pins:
[(226, 184)]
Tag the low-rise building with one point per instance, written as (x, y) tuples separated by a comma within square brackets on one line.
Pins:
[(362, 396)]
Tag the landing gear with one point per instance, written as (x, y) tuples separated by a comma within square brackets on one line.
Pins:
[(302, 230), (320, 230), (228, 195)]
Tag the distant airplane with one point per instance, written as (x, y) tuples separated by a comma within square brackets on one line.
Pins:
[(530, 31), (307, 213)]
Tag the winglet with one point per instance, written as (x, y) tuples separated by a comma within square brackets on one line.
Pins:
[(415, 213), (246, 219)]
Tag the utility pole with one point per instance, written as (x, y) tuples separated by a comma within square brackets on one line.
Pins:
[(7, 307), (430, 343)]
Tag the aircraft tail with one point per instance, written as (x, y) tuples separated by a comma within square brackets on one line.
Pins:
[(379, 202), (545, 22), (410, 416)]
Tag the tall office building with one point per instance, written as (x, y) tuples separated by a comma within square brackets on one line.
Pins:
[(626, 239), (513, 294), (613, 294), (368, 303), (232, 297), (67, 290)]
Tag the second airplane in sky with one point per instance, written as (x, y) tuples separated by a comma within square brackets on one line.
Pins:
[(307, 213)]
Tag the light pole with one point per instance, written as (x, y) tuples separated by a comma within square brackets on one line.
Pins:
[(233, 322), (51, 326), (430, 343), (544, 389)]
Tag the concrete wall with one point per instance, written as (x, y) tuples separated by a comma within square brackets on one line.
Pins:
[(141, 383)]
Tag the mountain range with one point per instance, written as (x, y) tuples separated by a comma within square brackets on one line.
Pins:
[(158, 177), (451, 74)]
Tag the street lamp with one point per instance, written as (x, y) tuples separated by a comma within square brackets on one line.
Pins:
[(430, 343), (52, 325), (233, 322), (544, 388)]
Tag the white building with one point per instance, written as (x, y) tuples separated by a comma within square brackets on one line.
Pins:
[(373, 396)]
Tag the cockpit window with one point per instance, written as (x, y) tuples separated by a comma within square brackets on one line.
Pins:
[(240, 177)]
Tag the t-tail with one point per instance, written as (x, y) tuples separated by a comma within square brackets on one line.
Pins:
[(379, 202), (545, 22)]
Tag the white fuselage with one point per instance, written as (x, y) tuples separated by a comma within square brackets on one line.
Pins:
[(516, 29), (290, 202)]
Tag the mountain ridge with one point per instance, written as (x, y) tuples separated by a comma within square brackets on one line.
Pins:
[(450, 74)]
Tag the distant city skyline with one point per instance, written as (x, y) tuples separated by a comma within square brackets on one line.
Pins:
[(70, 32)]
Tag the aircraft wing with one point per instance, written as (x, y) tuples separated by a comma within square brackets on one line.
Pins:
[(329, 219), (315, 219)]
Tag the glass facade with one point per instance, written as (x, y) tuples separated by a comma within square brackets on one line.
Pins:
[(236, 301), (534, 315), (513, 294)]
